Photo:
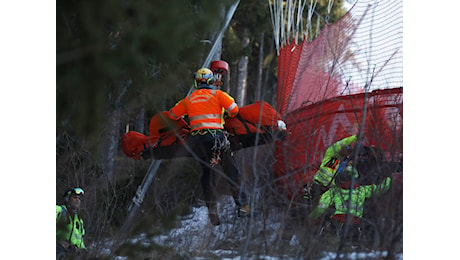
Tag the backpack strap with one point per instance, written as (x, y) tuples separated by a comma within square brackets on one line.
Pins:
[(244, 123), (63, 213), (64, 216)]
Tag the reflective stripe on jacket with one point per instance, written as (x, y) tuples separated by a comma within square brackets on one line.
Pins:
[(331, 161), (339, 197), (205, 109), (69, 228)]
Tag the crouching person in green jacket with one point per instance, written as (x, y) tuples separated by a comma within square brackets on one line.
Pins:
[(69, 226), (336, 158), (339, 198)]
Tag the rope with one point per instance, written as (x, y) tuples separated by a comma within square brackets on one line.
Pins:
[(317, 24), (299, 19), (274, 19), (218, 39), (220, 145), (329, 8), (287, 16), (139, 198), (311, 9), (228, 18)]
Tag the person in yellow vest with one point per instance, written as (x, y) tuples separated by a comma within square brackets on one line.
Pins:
[(206, 108), (336, 158), (69, 225), (346, 199)]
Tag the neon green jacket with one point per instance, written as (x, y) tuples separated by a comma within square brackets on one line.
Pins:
[(340, 197), (68, 229), (331, 161)]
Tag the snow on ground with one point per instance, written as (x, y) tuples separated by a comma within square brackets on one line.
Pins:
[(357, 255), (195, 235), (195, 230)]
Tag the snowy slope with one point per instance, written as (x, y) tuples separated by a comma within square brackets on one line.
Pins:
[(195, 237)]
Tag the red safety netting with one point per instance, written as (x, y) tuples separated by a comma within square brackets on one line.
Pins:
[(313, 128), (288, 61), (322, 89)]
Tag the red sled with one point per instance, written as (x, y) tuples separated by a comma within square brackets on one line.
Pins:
[(255, 119), (168, 137), (166, 140)]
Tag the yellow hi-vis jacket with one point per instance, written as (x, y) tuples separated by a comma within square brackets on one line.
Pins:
[(205, 109), (330, 164), (339, 197), (69, 227)]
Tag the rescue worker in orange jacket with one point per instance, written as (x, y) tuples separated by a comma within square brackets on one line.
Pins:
[(205, 108)]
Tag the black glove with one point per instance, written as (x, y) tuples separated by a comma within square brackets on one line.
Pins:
[(147, 153), (308, 192)]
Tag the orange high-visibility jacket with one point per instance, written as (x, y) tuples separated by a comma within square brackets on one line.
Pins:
[(205, 109)]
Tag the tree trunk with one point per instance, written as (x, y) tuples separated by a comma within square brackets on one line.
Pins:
[(227, 76), (110, 152), (218, 41), (218, 52), (242, 80), (113, 136), (272, 91), (260, 65), (140, 121), (233, 86), (243, 72)]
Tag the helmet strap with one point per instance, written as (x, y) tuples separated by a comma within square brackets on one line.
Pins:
[(203, 85)]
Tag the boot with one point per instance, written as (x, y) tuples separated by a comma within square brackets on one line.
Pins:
[(214, 218), (244, 211)]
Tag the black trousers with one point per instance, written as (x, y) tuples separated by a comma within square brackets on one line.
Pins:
[(68, 253), (354, 230), (204, 145), (315, 191)]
